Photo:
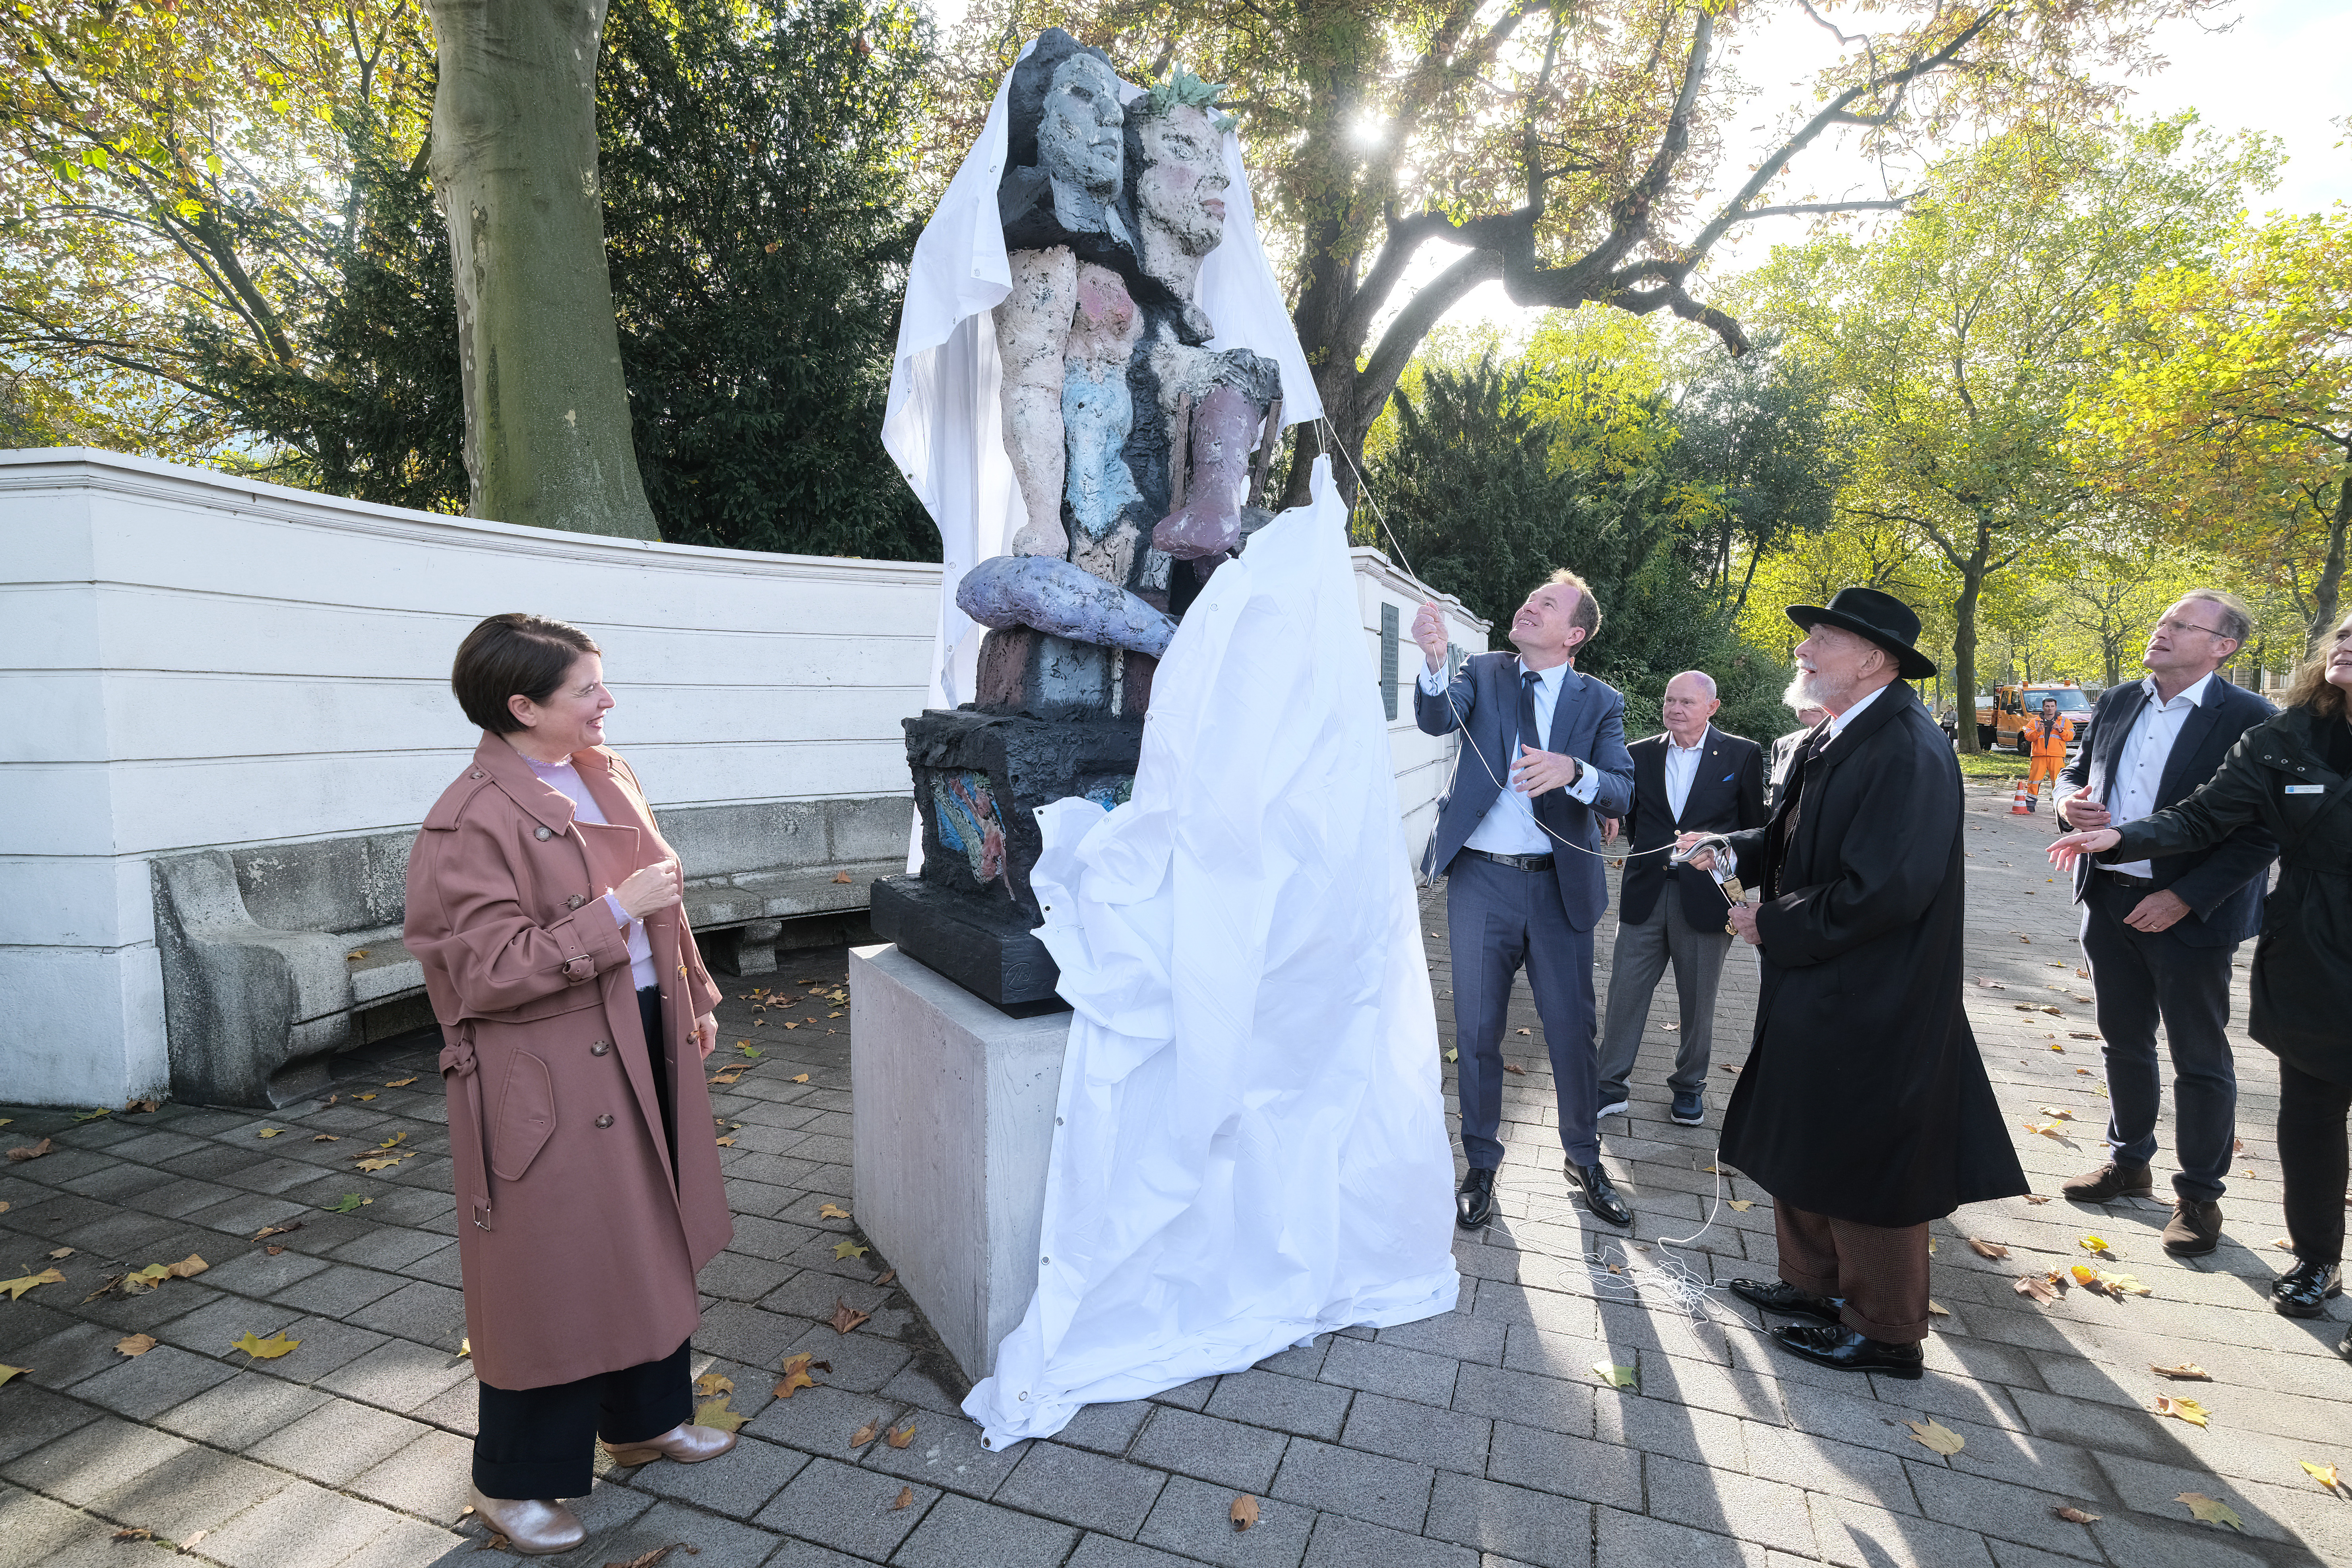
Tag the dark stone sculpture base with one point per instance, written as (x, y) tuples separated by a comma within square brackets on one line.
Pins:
[(988, 948)]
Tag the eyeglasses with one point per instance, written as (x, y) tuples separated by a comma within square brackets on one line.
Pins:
[(2168, 625)]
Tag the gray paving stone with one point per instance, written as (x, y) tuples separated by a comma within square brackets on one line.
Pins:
[(804, 1554), (1523, 1397), (1385, 1492), (946, 1452), (964, 1532), (2000, 1508), (420, 1311), (1855, 1535), (1460, 1335), (31, 1416), (1192, 1396), (1624, 1539), (1286, 1404), (34, 1530), (301, 1527), (337, 1441), (409, 1543), (325, 1343), (861, 1360), (1573, 1467), (1105, 1429), (65, 1358), (390, 1248), (850, 1510), (93, 1459), (1089, 1490), (25, 1321), (1110, 1552), (431, 1477), (338, 1291), (1225, 1452), (1448, 1439), (1393, 1370), (1868, 1476), (736, 1484), (255, 1273), (143, 1386), (1513, 1521), (241, 1411), (821, 1420), (197, 1488), (750, 1334), (398, 1375), (1723, 1502), (1195, 1520), (1339, 1542), (718, 1543)]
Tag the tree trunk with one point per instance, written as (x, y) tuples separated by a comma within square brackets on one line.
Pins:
[(514, 163), (2325, 593), (1964, 648)]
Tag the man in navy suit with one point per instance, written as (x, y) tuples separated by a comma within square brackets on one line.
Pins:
[(1691, 779), (2158, 934), (1542, 762)]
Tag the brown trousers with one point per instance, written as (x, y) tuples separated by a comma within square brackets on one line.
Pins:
[(1881, 1273)]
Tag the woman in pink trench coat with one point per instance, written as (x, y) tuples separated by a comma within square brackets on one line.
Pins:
[(544, 906)]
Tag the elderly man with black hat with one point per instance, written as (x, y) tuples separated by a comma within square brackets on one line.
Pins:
[(1864, 1107)]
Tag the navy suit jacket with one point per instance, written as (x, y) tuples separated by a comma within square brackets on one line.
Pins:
[(2222, 886), (1726, 795), (1586, 724)]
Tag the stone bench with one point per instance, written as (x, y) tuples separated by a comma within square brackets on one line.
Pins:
[(277, 957)]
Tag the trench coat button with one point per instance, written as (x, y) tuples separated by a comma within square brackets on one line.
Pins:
[(475, 775), (543, 833), (601, 1048), (603, 1122), (575, 900)]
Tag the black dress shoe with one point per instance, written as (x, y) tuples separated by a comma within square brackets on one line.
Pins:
[(1848, 1351), (1474, 1201), (1781, 1297), (1593, 1182), (2303, 1290)]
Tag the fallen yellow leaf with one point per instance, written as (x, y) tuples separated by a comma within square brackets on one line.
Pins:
[(401, 1083), (802, 1077), (847, 1248), (2186, 1370), (31, 1151), (7, 1372), (1742, 1205), (1243, 1513), (2095, 1244), (2324, 1474), (136, 1344), (465, 1346), (2035, 1198), (865, 1435), (270, 1349), (2075, 1516), (845, 1317), (1937, 1309), (2187, 1410), (905, 1499), (832, 1211), (2212, 1510), (59, 1252), (1616, 1377), (188, 1268), (369, 1095), (1934, 1435), (715, 1412), (711, 1382), (269, 1132), (17, 1287), (1988, 1248), (902, 1436)]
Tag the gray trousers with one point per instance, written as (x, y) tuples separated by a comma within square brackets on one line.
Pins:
[(1642, 954), (1498, 919)]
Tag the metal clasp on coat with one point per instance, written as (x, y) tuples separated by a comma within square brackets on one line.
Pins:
[(481, 1217)]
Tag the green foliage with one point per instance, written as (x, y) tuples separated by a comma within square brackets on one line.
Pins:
[(1497, 476), (753, 160)]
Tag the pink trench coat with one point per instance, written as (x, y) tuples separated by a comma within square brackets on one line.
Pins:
[(579, 1253)]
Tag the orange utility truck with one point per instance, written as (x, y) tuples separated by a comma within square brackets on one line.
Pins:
[(2014, 709)]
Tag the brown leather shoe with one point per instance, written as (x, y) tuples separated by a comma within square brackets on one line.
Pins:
[(2194, 1229), (2115, 1179), (686, 1444)]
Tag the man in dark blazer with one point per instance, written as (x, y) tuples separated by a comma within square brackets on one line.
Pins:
[(1691, 779), (1785, 749), (1864, 1107), (2158, 935), (1542, 761)]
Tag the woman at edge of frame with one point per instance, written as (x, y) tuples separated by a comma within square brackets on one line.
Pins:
[(544, 906), (2291, 774)]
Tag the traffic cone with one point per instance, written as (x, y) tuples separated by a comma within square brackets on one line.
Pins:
[(2022, 802)]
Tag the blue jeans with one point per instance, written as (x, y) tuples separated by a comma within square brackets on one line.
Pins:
[(2143, 978)]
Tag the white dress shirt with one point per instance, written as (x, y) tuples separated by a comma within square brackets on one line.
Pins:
[(2139, 765), (1681, 769), (1510, 827), (1838, 721)]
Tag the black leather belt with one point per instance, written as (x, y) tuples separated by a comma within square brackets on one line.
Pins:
[(1515, 862), (2126, 879)]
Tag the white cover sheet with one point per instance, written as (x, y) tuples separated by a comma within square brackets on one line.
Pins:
[(1251, 1145)]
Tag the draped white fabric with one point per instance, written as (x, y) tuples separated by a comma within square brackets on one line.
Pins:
[(943, 423), (1250, 1147)]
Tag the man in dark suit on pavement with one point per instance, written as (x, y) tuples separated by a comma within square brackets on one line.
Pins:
[(1864, 1107), (1691, 779), (2159, 934), (1542, 760)]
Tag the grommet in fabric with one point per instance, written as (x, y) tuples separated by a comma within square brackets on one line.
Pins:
[(475, 775), (543, 833), (603, 1122), (602, 1048)]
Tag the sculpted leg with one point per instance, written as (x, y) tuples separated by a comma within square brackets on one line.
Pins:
[(1033, 329), (1224, 429)]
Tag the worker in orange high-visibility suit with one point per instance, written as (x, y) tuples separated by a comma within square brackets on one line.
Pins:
[(2048, 736)]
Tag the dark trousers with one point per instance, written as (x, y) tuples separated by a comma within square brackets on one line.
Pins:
[(2314, 1161), (2143, 978), (1643, 952), (649, 1015), (1498, 920), (1880, 1272), (541, 1442)]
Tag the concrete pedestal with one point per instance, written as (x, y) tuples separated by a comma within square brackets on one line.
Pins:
[(954, 1128)]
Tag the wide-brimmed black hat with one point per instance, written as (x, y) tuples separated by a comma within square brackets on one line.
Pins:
[(1881, 617)]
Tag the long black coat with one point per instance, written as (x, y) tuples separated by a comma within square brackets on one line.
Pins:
[(2303, 964), (1865, 1097)]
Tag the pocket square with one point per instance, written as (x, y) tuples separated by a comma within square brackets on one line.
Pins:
[(1729, 777)]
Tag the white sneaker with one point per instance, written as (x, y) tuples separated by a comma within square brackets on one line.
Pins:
[(1614, 1108)]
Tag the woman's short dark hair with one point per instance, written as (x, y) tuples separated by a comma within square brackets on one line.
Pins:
[(513, 655)]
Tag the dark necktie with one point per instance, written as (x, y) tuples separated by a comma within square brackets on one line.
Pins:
[(1530, 732)]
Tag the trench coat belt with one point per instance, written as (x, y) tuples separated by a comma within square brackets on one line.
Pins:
[(459, 1058)]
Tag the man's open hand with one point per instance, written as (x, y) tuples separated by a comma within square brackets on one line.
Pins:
[(1539, 773)]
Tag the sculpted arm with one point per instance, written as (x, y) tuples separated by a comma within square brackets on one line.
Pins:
[(1032, 330)]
